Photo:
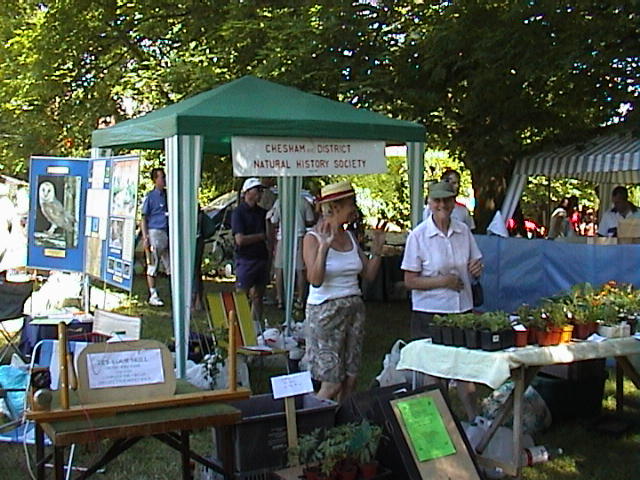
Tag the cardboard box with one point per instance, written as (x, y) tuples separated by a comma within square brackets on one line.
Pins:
[(629, 228), (602, 241)]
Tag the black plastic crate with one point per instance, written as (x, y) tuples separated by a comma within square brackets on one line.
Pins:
[(568, 399), (260, 437)]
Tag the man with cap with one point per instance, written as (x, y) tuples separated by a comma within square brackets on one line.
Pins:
[(440, 260), (252, 255)]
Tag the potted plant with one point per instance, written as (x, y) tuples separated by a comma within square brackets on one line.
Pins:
[(306, 454), (365, 442), (608, 321), (445, 325), (495, 327), (333, 451), (526, 315), (469, 322), (457, 322), (434, 329)]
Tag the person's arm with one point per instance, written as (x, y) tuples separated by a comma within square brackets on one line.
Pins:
[(372, 265), (314, 253), (414, 281), (144, 225), (243, 240)]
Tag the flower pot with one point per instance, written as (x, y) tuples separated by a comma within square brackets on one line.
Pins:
[(369, 470), (533, 336), (435, 332), (311, 473), (556, 335), (347, 472), (447, 335), (458, 337), (490, 341), (565, 336), (472, 338), (521, 338), (583, 330), (548, 337), (507, 338), (609, 331)]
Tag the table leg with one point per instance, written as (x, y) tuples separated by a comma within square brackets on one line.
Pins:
[(619, 387), (518, 394), (39, 452), (185, 453), (226, 451), (58, 462)]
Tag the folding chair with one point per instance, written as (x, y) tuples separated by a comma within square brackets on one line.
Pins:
[(220, 304), (13, 296)]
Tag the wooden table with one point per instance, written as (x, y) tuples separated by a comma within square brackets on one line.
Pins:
[(170, 425), (519, 364)]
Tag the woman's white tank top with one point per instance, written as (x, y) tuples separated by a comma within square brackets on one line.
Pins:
[(340, 275)]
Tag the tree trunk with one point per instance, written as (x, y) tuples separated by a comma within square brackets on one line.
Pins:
[(489, 186)]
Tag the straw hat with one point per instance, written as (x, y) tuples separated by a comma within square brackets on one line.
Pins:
[(336, 191)]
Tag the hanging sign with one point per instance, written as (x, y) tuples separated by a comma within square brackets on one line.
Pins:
[(299, 157)]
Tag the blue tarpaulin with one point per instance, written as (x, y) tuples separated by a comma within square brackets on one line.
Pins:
[(521, 271)]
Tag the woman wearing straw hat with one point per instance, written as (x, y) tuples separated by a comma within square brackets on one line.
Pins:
[(335, 310)]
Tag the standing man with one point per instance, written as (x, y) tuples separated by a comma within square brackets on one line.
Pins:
[(155, 233), (622, 208), (252, 255)]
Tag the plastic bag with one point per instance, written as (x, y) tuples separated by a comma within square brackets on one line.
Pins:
[(536, 416), (389, 375), (500, 448)]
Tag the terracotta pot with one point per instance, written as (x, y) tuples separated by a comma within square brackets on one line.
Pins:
[(556, 335), (547, 338), (533, 336), (521, 338), (348, 472), (369, 470), (565, 336)]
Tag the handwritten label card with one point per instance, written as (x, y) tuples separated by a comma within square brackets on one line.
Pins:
[(125, 369), (291, 385)]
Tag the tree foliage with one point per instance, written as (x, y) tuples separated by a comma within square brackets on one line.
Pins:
[(491, 80)]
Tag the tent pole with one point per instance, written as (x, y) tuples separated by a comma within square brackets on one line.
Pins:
[(183, 160), (415, 161)]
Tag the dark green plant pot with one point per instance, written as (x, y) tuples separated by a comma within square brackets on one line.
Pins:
[(472, 338), (435, 332), (508, 338), (447, 335), (458, 337), (490, 341)]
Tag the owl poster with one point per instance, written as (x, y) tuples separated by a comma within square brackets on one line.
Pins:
[(58, 211)]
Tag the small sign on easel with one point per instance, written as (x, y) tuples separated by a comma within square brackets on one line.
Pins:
[(287, 387)]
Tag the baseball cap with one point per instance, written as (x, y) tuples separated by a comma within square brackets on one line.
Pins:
[(441, 190), (250, 183)]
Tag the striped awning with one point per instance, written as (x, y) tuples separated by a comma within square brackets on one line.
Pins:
[(613, 158)]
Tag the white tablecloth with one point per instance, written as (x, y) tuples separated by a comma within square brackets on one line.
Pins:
[(494, 368)]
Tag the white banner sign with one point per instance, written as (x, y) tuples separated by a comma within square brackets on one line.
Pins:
[(300, 157), (125, 369)]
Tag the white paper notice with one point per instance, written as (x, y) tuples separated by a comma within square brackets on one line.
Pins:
[(125, 369), (97, 173), (97, 203), (128, 236), (291, 385)]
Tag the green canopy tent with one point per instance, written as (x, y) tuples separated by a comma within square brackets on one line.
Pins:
[(245, 107)]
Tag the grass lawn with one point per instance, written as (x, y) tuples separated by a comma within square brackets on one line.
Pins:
[(588, 454)]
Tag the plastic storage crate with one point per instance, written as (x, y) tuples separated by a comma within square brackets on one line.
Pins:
[(260, 437)]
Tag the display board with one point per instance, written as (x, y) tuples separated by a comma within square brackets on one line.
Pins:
[(430, 440), (56, 213), (83, 216)]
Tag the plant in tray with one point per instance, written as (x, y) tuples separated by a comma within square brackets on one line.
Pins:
[(495, 332), (307, 454), (364, 445)]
